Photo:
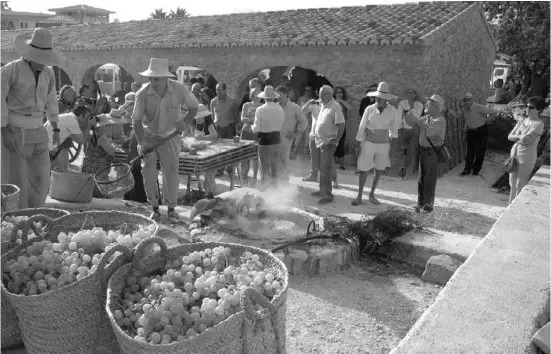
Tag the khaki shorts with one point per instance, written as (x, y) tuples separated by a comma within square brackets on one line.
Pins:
[(374, 156)]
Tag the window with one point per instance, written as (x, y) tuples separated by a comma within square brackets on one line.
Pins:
[(499, 72), (26, 25), (21, 24)]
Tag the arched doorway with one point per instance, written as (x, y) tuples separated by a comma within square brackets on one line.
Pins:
[(296, 78), (107, 78), (61, 78)]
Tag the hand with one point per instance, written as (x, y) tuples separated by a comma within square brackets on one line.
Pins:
[(56, 139), (144, 146), (358, 149), (312, 101), (11, 139)]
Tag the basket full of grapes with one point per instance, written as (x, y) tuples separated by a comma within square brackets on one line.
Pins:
[(56, 283), (202, 298), (17, 228)]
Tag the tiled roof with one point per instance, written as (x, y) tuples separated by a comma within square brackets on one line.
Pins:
[(84, 8), (58, 19), (383, 25), (21, 13)]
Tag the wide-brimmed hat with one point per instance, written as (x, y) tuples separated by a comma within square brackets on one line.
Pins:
[(116, 116), (38, 48), (202, 111), (383, 92), (438, 99), (158, 67), (268, 93)]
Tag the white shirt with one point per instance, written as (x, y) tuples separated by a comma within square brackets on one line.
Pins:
[(417, 112), (314, 109), (268, 118), (326, 127), (375, 120), (67, 124)]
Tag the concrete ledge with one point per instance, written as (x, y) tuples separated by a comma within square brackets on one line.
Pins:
[(417, 247), (491, 302)]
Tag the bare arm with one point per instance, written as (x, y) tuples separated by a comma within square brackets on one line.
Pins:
[(302, 122), (52, 108), (533, 133), (513, 135), (7, 83), (244, 118)]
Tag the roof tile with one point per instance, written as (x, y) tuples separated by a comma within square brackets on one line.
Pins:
[(312, 27)]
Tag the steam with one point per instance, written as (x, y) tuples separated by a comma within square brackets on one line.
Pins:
[(281, 196)]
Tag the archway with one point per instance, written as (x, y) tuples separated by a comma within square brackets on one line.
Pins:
[(61, 78), (109, 78), (296, 78)]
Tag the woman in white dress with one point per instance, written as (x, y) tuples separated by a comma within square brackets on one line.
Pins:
[(526, 135)]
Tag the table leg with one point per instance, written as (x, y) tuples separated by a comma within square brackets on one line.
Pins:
[(239, 174), (189, 184), (197, 175), (232, 179)]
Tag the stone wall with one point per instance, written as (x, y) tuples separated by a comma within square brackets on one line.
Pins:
[(459, 60)]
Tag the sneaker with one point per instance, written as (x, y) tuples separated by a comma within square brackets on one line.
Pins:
[(464, 173), (173, 216), (402, 174), (428, 208), (155, 215), (475, 173), (311, 178)]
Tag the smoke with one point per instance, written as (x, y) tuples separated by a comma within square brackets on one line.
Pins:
[(284, 195)]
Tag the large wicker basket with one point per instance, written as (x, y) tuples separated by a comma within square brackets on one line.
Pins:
[(11, 335), (71, 186), (117, 187), (244, 332), (77, 309), (10, 197)]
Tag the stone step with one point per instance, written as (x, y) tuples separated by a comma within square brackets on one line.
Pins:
[(417, 247)]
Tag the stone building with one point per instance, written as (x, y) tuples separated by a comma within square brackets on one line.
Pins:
[(84, 14), (444, 48)]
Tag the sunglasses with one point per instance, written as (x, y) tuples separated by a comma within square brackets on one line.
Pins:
[(410, 92), (531, 107)]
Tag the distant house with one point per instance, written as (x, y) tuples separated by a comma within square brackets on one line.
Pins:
[(57, 20), (12, 20), (84, 14)]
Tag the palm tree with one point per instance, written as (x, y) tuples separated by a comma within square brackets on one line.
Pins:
[(179, 13), (159, 14), (4, 5)]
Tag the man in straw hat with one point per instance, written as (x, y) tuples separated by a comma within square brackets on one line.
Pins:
[(409, 135), (157, 115), (28, 93), (327, 131), (476, 126), (380, 123), (268, 120), (432, 129)]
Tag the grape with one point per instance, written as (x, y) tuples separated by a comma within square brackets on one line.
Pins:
[(190, 294)]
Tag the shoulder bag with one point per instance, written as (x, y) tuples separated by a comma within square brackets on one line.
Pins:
[(441, 151), (511, 162)]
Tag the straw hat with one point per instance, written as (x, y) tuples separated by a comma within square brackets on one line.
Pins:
[(116, 116), (438, 99), (158, 67), (383, 92), (268, 93), (202, 111), (38, 48)]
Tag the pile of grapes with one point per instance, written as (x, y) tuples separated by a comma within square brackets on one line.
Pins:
[(8, 226), (190, 295), (45, 266)]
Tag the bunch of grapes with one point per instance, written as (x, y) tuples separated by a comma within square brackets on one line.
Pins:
[(45, 266), (8, 226), (190, 295)]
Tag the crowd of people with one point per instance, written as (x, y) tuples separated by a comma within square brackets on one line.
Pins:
[(142, 117)]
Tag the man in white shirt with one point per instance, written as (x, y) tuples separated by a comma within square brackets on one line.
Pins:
[(293, 127), (328, 130), (312, 108), (409, 136), (29, 93), (379, 124), (268, 120)]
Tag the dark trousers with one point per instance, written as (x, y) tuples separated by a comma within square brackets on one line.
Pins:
[(476, 148), (326, 167), (270, 162), (428, 174), (138, 192)]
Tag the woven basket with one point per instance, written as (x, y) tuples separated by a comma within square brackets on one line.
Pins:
[(70, 186), (10, 197), (244, 332), (11, 334), (70, 319), (118, 187)]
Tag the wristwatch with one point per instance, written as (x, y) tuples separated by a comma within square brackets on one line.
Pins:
[(57, 130)]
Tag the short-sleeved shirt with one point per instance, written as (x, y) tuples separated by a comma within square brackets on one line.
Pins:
[(225, 112), (475, 116), (326, 128), (436, 131), (159, 115), (417, 112), (385, 122), (294, 119), (67, 124)]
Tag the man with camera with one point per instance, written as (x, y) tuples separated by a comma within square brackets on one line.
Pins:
[(476, 127), (28, 93)]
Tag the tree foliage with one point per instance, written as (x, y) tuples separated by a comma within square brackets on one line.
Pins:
[(521, 30), (178, 14), (4, 5), (159, 14)]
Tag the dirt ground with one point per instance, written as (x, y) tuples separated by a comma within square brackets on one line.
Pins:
[(369, 307)]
